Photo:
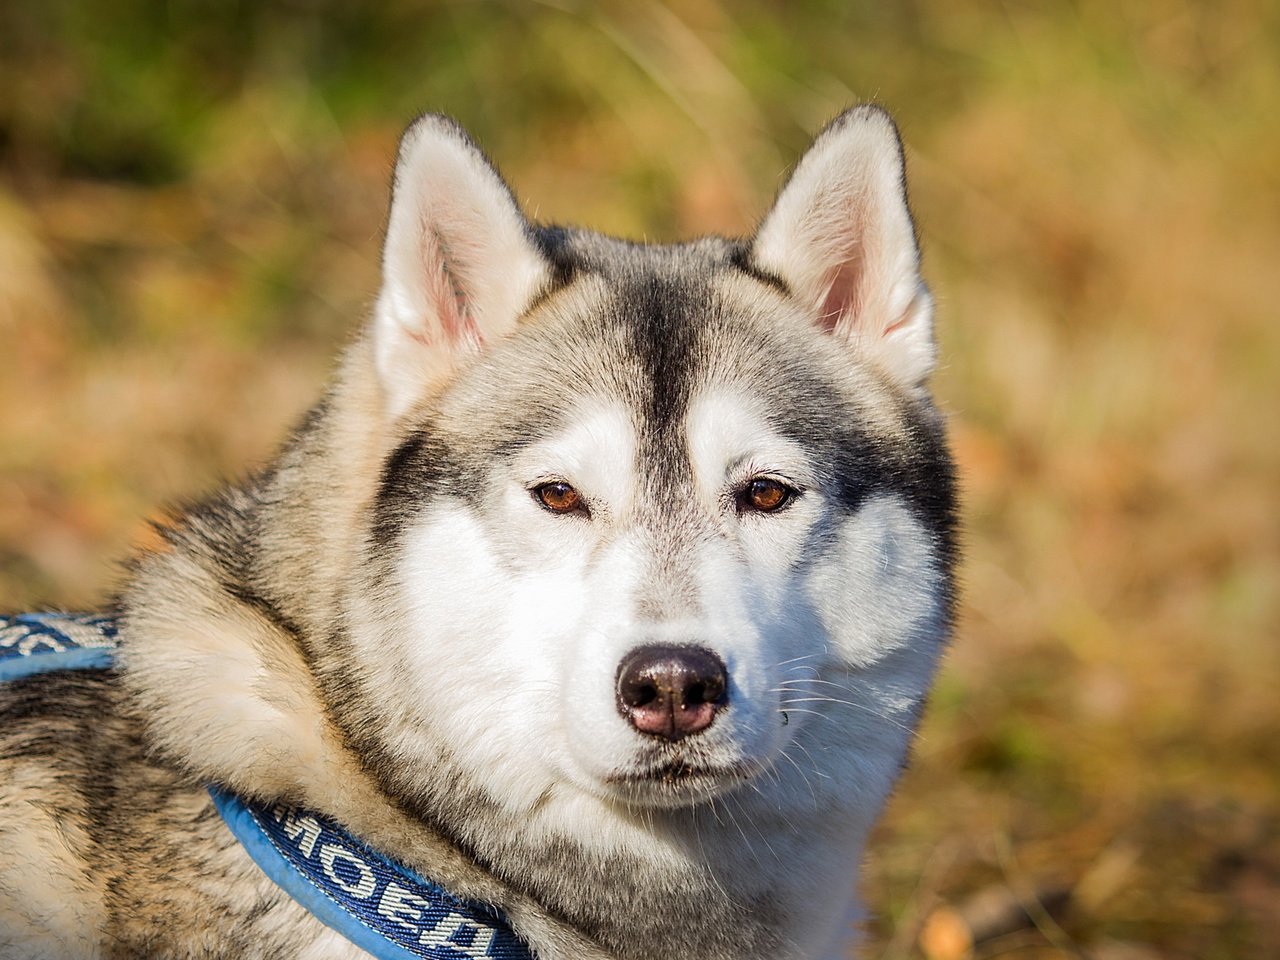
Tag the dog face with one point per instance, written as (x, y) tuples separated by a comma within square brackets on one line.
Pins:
[(664, 523)]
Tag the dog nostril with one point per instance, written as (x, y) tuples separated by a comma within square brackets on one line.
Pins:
[(638, 694), (710, 690), (671, 692)]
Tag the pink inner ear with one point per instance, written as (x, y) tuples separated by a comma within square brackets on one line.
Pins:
[(844, 292), (445, 294)]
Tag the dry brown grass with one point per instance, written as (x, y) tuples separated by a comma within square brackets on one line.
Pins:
[(1099, 193)]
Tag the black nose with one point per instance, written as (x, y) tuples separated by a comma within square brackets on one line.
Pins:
[(671, 692)]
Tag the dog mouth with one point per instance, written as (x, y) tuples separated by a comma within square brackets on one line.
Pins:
[(673, 780)]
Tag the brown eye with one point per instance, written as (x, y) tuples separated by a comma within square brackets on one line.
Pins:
[(558, 497), (766, 495)]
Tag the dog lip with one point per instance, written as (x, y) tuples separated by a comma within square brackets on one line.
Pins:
[(676, 772)]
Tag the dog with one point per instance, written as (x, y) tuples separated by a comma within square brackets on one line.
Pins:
[(602, 589)]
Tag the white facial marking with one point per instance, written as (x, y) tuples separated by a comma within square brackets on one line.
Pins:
[(730, 442), (878, 584), (503, 602), (596, 454), (518, 618)]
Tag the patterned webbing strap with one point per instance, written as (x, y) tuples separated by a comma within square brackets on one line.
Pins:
[(377, 904), (38, 642)]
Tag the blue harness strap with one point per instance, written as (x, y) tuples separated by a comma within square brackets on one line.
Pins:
[(379, 905), (374, 902), (38, 642)]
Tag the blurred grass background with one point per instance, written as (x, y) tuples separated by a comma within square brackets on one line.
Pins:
[(191, 197)]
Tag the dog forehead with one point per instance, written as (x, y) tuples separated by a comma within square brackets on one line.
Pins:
[(653, 332), (656, 328)]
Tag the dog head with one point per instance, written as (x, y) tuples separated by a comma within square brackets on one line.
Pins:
[(658, 523)]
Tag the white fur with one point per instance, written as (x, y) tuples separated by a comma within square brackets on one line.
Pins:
[(554, 633), (840, 235), (518, 671)]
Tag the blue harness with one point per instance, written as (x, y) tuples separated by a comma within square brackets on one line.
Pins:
[(380, 906)]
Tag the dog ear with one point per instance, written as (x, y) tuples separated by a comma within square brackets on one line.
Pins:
[(459, 266), (840, 236)]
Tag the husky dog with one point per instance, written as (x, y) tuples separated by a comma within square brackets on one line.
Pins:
[(603, 586)]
